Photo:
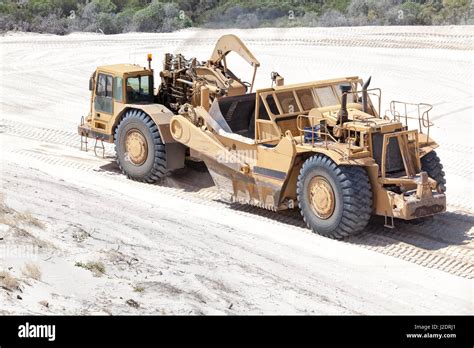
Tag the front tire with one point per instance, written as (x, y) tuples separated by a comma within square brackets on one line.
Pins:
[(335, 201), (141, 154)]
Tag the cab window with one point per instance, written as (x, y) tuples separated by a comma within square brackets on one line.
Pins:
[(326, 96), (104, 86), (306, 98), (118, 89), (272, 105), (140, 89), (288, 102), (103, 97)]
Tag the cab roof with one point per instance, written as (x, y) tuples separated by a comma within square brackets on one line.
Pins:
[(121, 69), (320, 83)]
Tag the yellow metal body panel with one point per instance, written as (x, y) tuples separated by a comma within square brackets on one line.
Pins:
[(264, 170)]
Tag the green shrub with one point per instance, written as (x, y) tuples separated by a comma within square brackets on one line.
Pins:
[(115, 16), (149, 19)]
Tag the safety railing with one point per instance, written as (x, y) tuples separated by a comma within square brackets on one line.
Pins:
[(350, 140), (375, 92), (401, 112), (317, 131), (320, 134)]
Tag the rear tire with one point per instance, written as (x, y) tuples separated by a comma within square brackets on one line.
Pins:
[(141, 154), (431, 164), (335, 201)]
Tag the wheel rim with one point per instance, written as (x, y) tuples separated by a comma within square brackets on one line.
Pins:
[(136, 147), (321, 197)]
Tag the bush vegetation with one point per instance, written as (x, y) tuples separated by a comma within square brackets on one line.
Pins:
[(118, 16)]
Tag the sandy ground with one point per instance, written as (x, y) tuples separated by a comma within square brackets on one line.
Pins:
[(77, 237)]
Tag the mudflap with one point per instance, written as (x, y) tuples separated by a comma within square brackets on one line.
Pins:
[(175, 155)]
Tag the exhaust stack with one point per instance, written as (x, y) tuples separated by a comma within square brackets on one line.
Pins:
[(343, 115), (365, 106)]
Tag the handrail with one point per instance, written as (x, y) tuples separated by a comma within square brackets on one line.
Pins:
[(302, 130), (351, 140), (421, 116), (379, 96)]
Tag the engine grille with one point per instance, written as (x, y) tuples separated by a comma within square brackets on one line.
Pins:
[(394, 160)]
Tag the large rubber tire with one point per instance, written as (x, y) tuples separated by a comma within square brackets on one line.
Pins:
[(352, 192), (153, 169), (431, 164)]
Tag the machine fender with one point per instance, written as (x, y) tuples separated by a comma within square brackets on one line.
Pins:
[(158, 113), (426, 144), (337, 157), (424, 150), (175, 152)]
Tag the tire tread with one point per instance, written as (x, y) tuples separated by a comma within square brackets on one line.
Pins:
[(356, 201), (159, 169)]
